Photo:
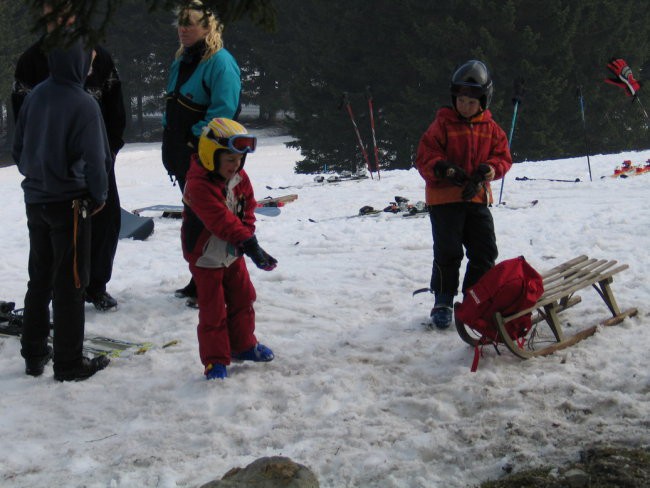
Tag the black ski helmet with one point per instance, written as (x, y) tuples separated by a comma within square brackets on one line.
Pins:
[(473, 79)]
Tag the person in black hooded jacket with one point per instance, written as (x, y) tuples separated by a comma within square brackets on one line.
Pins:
[(61, 148), (103, 83)]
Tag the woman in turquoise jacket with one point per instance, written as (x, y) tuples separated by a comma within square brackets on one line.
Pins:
[(204, 83)]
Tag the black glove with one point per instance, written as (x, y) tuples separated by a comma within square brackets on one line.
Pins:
[(262, 260), (450, 171), (475, 181)]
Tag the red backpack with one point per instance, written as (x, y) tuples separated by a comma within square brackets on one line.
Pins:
[(509, 287)]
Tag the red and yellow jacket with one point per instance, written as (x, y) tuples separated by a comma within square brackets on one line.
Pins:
[(466, 143), (218, 216)]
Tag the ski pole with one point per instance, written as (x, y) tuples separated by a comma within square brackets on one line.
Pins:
[(372, 129), (518, 88), (584, 125), (641, 105), (346, 102)]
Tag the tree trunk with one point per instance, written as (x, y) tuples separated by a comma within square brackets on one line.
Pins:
[(140, 117)]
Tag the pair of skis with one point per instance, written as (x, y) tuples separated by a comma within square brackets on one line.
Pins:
[(11, 325), (346, 103)]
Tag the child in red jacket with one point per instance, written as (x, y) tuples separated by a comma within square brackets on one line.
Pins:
[(218, 228), (458, 155)]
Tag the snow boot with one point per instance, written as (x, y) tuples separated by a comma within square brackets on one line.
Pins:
[(441, 316), (83, 370), (258, 353), (34, 366), (215, 372), (189, 291), (102, 301)]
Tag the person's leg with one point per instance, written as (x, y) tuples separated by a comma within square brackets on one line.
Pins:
[(189, 290), (105, 235), (447, 223), (70, 267), (36, 317), (480, 243), (212, 331), (240, 296)]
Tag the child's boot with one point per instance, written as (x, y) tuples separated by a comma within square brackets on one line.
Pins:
[(259, 353), (442, 312), (215, 372)]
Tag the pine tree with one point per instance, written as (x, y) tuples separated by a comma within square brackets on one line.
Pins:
[(15, 37), (142, 66), (93, 17)]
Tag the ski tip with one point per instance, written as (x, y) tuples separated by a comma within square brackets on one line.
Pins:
[(143, 348)]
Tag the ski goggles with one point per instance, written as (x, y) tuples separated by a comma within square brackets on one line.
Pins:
[(240, 143)]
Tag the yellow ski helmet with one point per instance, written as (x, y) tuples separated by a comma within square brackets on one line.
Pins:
[(224, 135)]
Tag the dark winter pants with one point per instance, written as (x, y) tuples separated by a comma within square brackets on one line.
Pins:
[(454, 226), (106, 232), (191, 286), (51, 278), (226, 314)]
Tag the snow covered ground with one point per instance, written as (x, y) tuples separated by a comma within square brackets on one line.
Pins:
[(360, 390)]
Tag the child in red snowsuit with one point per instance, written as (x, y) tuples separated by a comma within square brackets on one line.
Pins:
[(458, 155), (218, 228)]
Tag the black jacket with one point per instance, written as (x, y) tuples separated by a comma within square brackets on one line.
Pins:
[(60, 144), (103, 84)]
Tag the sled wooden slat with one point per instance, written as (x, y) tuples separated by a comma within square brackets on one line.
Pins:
[(560, 286)]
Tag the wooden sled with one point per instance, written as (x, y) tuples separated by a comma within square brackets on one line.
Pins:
[(560, 285)]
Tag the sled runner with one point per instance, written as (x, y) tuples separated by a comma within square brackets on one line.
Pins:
[(560, 286)]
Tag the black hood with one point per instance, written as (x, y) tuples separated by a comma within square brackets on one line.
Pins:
[(70, 64)]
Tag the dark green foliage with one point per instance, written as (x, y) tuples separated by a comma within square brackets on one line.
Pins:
[(406, 52), (14, 36), (143, 52), (94, 17)]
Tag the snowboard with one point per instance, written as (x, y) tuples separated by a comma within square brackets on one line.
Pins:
[(134, 226)]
